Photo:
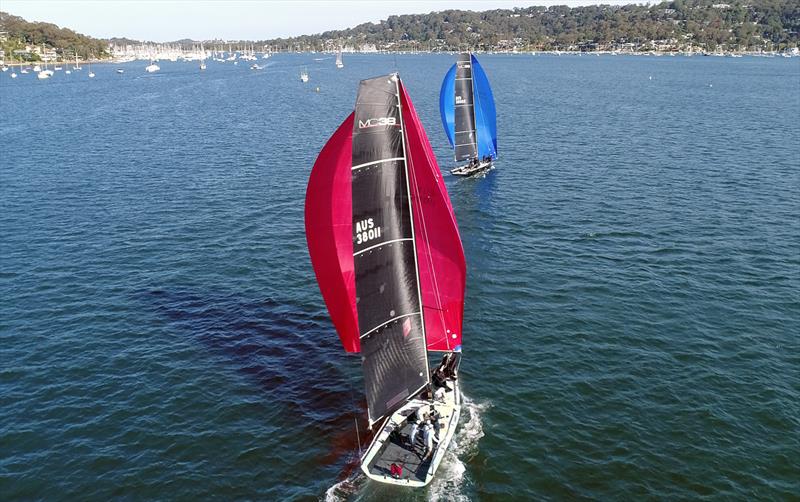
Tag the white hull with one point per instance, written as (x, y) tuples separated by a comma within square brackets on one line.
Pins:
[(417, 471), (470, 169)]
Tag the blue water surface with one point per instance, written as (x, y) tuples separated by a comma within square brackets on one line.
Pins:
[(633, 307)]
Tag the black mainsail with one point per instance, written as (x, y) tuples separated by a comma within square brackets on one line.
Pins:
[(465, 143), (390, 322)]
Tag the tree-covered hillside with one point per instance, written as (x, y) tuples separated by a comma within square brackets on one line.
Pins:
[(19, 33), (674, 25), (679, 25)]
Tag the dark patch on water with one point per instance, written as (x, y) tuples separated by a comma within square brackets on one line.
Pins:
[(292, 355)]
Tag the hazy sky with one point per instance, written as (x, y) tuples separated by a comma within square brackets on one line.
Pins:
[(168, 20)]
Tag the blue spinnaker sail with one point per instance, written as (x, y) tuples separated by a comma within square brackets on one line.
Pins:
[(485, 114), (447, 104)]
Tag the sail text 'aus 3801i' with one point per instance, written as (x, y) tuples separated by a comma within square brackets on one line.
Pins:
[(366, 231)]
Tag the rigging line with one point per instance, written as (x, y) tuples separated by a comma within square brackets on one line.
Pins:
[(355, 419), (474, 108), (358, 437), (425, 236), (476, 100), (404, 139)]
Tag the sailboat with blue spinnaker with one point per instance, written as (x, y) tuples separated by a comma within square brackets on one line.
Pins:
[(468, 114)]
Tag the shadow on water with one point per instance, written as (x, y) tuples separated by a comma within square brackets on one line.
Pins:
[(294, 356)]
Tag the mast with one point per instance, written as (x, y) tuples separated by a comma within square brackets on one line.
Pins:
[(474, 111), (465, 142), (396, 79)]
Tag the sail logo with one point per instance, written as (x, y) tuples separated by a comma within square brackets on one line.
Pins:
[(460, 100), (464, 65), (377, 122), (366, 231)]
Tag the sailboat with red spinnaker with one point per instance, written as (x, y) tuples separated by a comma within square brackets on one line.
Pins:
[(387, 254)]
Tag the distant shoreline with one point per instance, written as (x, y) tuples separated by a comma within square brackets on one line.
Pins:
[(519, 53)]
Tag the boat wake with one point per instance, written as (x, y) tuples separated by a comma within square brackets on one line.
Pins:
[(347, 488), (451, 480)]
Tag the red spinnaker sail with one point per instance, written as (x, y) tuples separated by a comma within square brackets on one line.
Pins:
[(442, 267), (329, 231)]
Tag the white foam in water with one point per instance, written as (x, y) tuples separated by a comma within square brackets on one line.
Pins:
[(346, 488), (450, 478)]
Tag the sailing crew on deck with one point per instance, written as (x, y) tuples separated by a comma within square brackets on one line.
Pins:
[(412, 436), (437, 425), (442, 372), (440, 379), (428, 437), (414, 419)]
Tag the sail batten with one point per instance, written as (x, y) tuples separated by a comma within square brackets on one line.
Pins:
[(376, 162)]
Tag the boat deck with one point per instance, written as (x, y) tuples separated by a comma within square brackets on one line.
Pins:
[(472, 169), (399, 451), (391, 446)]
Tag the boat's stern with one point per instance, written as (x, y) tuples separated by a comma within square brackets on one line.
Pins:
[(393, 459)]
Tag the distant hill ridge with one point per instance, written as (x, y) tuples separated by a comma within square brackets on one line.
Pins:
[(676, 25), (707, 24), (16, 33)]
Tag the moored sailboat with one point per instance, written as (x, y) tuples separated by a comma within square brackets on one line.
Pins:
[(468, 115), (339, 62), (385, 247), (152, 67)]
